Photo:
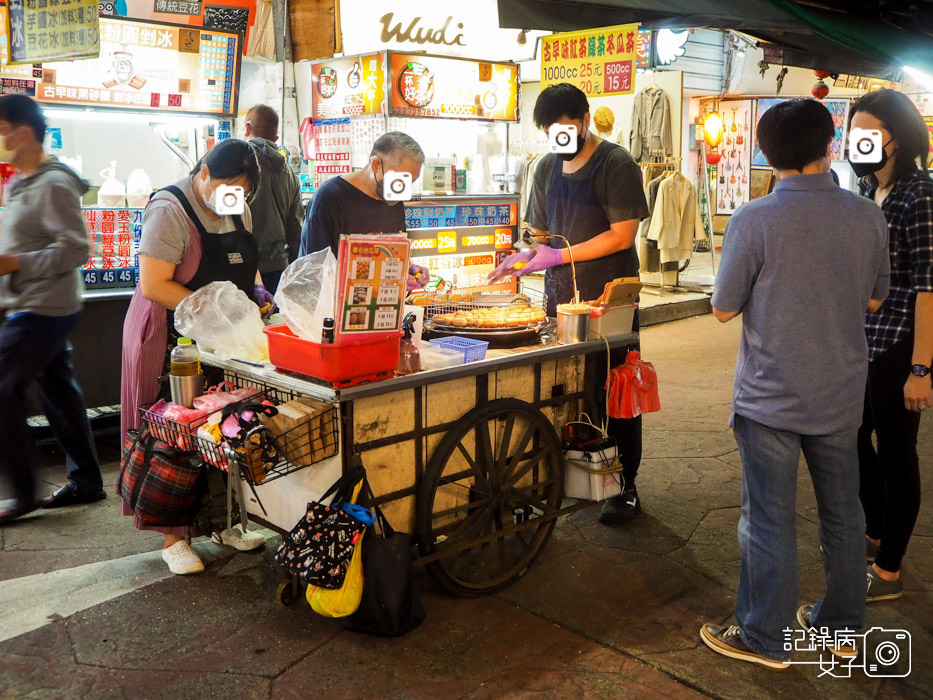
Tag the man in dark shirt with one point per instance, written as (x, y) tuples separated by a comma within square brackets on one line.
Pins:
[(276, 203), (593, 198), (356, 203)]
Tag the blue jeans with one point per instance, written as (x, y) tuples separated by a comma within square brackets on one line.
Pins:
[(767, 595), (35, 348)]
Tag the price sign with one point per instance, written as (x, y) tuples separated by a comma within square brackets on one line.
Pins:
[(598, 61)]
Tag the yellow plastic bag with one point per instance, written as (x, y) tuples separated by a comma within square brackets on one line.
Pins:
[(345, 600), (342, 601)]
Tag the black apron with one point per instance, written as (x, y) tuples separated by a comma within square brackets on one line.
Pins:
[(232, 256), (573, 211)]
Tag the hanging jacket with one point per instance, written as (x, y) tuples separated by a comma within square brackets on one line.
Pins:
[(651, 124), (675, 220)]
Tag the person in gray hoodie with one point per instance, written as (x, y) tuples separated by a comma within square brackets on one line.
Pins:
[(276, 203), (43, 244)]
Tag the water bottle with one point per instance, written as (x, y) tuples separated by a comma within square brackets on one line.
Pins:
[(185, 378)]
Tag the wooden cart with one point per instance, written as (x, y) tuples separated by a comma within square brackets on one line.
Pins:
[(467, 459)]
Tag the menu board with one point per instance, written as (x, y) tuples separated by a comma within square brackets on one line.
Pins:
[(461, 243), (454, 88), (144, 66), (52, 30), (348, 87), (598, 61), (372, 273), (114, 235)]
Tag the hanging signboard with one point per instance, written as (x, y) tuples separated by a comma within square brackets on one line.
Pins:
[(348, 87), (114, 235), (598, 61), (644, 43), (454, 88), (233, 16), (51, 30), (142, 66)]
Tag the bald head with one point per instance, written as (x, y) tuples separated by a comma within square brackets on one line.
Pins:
[(263, 122)]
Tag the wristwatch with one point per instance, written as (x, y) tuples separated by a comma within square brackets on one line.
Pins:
[(920, 370)]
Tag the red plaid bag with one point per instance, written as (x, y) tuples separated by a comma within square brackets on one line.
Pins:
[(158, 481)]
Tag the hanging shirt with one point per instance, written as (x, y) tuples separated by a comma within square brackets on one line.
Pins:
[(675, 220)]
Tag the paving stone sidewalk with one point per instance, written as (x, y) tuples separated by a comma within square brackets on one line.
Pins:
[(605, 612)]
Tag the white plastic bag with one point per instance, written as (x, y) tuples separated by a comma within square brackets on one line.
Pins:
[(138, 189), (223, 320), (112, 193), (306, 292)]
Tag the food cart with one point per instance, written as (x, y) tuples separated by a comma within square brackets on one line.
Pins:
[(467, 458)]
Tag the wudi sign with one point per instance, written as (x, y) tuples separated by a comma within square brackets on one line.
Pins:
[(598, 61)]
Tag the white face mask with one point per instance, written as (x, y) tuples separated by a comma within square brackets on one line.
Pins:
[(212, 202)]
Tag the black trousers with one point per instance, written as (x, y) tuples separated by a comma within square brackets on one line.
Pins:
[(890, 475), (627, 432)]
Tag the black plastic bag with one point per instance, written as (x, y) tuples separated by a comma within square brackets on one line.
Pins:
[(391, 605)]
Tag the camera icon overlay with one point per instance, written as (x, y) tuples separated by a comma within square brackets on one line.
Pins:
[(562, 138), (397, 186), (887, 653), (231, 200), (865, 146)]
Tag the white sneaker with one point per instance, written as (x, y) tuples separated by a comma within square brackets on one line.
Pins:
[(181, 559), (236, 538)]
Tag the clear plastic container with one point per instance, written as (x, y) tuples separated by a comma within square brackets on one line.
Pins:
[(185, 360), (433, 357)]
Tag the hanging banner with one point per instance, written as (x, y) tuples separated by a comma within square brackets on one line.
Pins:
[(52, 30), (348, 87), (455, 88), (598, 61)]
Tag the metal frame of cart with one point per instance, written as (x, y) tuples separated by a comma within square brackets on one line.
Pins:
[(467, 459)]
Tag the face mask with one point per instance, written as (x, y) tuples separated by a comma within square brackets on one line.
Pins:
[(212, 202), (863, 169), (581, 141)]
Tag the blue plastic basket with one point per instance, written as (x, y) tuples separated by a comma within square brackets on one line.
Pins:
[(473, 350)]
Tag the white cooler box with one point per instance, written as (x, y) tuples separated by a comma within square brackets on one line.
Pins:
[(579, 483)]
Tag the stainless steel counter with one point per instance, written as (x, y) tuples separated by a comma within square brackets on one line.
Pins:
[(496, 359)]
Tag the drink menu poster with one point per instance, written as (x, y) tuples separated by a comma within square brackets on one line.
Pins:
[(144, 66), (372, 276)]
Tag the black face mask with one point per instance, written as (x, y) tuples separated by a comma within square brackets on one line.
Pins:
[(581, 141), (863, 169)]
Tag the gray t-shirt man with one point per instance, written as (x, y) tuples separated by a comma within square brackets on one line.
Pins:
[(802, 265)]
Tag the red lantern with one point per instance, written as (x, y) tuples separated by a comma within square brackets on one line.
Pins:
[(820, 90), (713, 157), (822, 74)]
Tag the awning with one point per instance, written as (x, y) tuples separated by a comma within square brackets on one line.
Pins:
[(865, 37)]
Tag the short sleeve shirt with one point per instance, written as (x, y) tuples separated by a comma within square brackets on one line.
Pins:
[(166, 228), (618, 185), (801, 264)]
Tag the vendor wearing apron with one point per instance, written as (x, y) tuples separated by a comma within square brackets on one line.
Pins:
[(186, 245), (594, 198)]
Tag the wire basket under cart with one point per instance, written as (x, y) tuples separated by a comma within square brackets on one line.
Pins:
[(310, 439)]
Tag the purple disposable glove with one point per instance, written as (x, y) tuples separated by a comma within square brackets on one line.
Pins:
[(541, 258), (264, 299), (417, 277), (507, 266)]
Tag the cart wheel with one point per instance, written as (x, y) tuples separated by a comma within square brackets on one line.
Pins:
[(488, 485), (287, 592)]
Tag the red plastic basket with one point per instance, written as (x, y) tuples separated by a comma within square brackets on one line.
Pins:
[(345, 364)]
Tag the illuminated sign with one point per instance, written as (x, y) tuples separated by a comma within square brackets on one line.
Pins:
[(146, 67), (669, 45), (348, 87), (503, 238), (431, 86)]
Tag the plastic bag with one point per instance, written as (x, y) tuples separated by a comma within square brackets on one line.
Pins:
[(633, 388), (223, 320), (305, 296), (138, 189), (112, 193)]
